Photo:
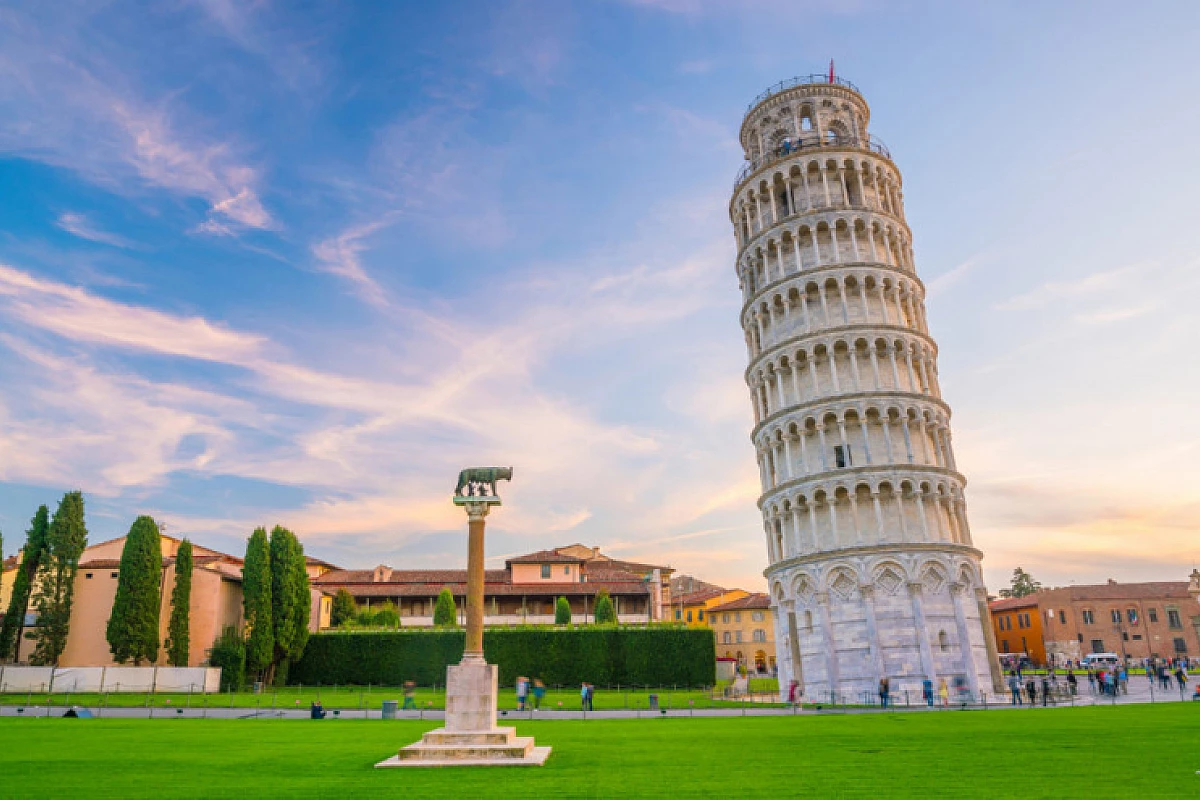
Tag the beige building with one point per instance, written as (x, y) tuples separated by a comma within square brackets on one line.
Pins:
[(744, 631), (216, 601), (524, 592)]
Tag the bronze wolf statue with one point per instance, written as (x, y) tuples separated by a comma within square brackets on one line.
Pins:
[(474, 478)]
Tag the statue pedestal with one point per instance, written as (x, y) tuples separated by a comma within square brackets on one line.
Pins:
[(470, 737)]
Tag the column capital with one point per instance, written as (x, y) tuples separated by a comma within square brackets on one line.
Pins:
[(476, 507)]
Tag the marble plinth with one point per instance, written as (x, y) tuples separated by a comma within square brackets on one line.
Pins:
[(470, 737)]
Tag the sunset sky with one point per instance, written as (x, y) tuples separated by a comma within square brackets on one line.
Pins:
[(274, 262)]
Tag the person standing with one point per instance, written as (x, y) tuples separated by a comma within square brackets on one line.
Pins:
[(943, 692), (1014, 686), (1045, 690), (522, 691), (885, 690), (927, 692), (1072, 683), (1031, 690), (409, 695), (539, 691)]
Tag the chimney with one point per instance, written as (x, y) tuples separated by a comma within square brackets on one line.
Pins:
[(595, 552), (1111, 582)]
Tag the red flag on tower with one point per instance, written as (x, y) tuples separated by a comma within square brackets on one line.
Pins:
[(831, 70)]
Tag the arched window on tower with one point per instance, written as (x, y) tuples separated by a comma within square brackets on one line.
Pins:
[(943, 641)]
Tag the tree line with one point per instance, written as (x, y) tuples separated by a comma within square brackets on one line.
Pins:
[(275, 595), (345, 613)]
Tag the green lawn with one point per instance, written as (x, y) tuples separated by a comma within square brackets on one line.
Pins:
[(1126, 751)]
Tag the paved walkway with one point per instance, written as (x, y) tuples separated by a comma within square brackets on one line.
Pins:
[(1139, 692)]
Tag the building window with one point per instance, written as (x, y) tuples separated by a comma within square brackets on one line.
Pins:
[(1004, 646), (1180, 645), (1131, 615), (700, 615), (1088, 618), (689, 616), (113, 574), (760, 635), (737, 616), (1137, 637), (1153, 614), (567, 570), (1062, 616), (87, 575), (943, 641), (1116, 616), (1173, 619), (1124, 636), (725, 637), (545, 570), (725, 618), (757, 616), (678, 614), (1097, 645), (739, 637), (841, 456)]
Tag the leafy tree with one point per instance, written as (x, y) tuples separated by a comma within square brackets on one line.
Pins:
[(65, 541), (1023, 585), (605, 613), (178, 630), (445, 614), (386, 617), (18, 604), (229, 653), (562, 612), (133, 624), (291, 601), (257, 604), (343, 609)]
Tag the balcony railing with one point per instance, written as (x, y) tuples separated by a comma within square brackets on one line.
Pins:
[(790, 148), (800, 80)]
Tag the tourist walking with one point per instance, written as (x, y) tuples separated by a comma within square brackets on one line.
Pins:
[(522, 691), (1045, 690), (1072, 684), (539, 691), (885, 689), (927, 692), (1014, 686), (1031, 690), (585, 697), (409, 695), (943, 692)]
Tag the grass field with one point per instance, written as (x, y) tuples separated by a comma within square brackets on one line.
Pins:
[(1129, 751)]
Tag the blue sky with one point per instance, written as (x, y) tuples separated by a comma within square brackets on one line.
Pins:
[(271, 261)]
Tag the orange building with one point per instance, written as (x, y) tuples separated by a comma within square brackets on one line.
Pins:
[(1017, 622)]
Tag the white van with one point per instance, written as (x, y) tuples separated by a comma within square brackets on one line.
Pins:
[(1101, 660)]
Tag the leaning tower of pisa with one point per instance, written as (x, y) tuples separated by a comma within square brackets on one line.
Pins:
[(872, 571)]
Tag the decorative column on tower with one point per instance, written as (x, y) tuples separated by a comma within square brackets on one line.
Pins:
[(871, 569), (470, 736)]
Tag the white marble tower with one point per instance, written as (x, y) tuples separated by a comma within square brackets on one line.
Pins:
[(871, 567)]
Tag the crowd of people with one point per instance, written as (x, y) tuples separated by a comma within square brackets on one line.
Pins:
[(1107, 681)]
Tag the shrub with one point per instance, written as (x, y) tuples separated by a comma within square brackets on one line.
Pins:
[(343, 609), (445, 614), (229, 653), (605, 613), (562, 612), (658, 655)]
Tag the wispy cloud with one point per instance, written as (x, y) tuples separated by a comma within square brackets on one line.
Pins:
[(1110, 280), (79, 225), (340, 256), (951, 277)]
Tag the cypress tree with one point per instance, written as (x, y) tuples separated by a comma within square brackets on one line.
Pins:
[(178, 630), (18, 604), (65, 541), (291, 602), (256, 603), (133, 625), (562, 612), (445, 615), (343, 609), (605, 613)]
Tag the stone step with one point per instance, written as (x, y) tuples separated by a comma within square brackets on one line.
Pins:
[(520, 748), (497, 736), (536, 757)]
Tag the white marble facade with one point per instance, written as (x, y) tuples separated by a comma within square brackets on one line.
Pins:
[(871, 565)]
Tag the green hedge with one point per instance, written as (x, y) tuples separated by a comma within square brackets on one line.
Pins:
[(657, 655)]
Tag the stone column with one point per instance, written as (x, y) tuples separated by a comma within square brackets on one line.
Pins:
[(831, 662), (964, 638), (918, 609), (476, 512), (868, 597)]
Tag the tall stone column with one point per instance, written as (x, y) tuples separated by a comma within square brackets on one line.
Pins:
[(476, 512)]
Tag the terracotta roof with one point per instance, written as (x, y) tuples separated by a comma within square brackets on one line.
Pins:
[(697, 597), (320, 562), (113, 563), (606, 574), (545, 557), (403, 576), (498, 589), (754, 600), (637, 566), (1009, 603), (1119, 591)]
